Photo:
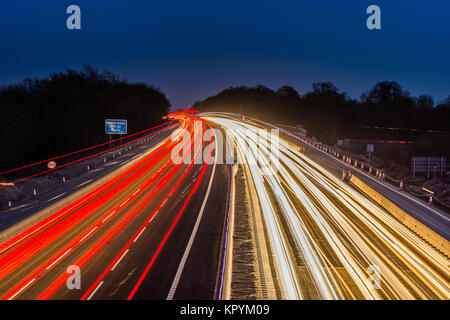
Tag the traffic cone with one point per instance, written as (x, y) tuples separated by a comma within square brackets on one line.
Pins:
[(356, 163), (384, 176), (370, 170), (9, 205), (401, 185), (35, 193), (362, 166), (430, 201)]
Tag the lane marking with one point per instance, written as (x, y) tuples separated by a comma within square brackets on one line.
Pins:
[(93, 292), (177, 277), (136, 192), (109, 216), (81, 240), (126, 251), (156, 213), (123, 203), (227, 238), (23, 288), (56, 197), (139, 234), (54, 262), (82, 184)]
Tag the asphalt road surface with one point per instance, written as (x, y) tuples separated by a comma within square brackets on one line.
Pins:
[(328, 240), (126, 238)]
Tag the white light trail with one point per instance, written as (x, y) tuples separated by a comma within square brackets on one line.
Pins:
[(334, 225)]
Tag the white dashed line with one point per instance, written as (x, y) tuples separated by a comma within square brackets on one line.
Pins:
[(109, 216), (56, 197), (93, 292), (112, 269), (139, 235), (136, 192), (123, 203), (23, 288), (88, 234), (82, 184), (54, 262)]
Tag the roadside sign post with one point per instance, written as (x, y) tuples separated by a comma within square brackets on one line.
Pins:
[(116, 126)]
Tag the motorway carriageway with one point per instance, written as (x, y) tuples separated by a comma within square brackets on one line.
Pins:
[(328, 240), (127, 236)]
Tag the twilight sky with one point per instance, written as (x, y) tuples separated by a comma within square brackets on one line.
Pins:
[(193, 49)]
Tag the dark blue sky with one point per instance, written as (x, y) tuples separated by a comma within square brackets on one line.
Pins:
[(192, 49)]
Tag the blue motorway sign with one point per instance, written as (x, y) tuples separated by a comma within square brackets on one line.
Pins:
[(116, 126)]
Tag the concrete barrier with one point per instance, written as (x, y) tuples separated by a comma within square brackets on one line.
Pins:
[(434, 239)]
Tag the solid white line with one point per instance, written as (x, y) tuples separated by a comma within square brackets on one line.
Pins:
[(23, 288), (115, 265), (177, 277), (88, 234), (93, 292), (139, 235), (54, 262)]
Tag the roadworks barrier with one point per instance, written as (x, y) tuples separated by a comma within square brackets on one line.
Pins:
[(434, 239)]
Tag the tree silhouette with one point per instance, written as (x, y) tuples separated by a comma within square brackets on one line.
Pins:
[(42, 118), (385, 112)]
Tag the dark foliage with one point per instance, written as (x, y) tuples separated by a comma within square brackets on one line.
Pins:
[(42, 118), (384, 112)]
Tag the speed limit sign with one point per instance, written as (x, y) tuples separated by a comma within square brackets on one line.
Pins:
[(51, 165)]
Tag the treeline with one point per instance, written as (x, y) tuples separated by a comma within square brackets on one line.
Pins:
[(42, 118), (329, 114)]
